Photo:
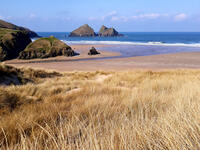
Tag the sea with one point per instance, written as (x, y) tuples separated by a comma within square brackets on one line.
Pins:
[(138, 43)]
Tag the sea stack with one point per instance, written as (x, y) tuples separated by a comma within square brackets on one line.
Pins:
[(83, 31), (105, 32)]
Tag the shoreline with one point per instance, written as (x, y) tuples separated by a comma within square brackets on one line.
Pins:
[(117, 43), (84, 62)]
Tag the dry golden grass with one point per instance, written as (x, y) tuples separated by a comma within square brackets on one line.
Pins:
[(103, 110), (14, 76)]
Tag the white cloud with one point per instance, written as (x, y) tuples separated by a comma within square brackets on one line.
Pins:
[(120, 18), (5, 17), (180, 17), (32, 15), (149, 16), (114, 16), (92, 18), (143, 16), (112, 13), (1, 17), (109, 15), (139, 17), (65, 18)]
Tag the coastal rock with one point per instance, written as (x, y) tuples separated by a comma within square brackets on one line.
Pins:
[(12, 42), (7, 25), (103, 28), (46, 47), (83, 31), (104, 31), (93, 51)]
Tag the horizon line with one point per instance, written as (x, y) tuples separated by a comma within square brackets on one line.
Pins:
[(132, 31)]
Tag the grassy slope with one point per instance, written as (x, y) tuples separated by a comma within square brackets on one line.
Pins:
[(42, 44), (104, 110), (7, 25), (4, 31)]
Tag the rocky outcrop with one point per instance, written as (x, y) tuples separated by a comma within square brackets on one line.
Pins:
[(46, 47), (12, 42), (93, 51), (83, 31), (104, 31), (7, 25)]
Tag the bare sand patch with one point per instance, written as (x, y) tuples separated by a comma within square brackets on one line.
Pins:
[(184, 60)]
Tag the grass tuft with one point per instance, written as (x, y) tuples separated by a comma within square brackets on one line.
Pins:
[(103, 110)]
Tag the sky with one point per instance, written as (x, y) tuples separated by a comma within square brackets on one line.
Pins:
[(124, 15)]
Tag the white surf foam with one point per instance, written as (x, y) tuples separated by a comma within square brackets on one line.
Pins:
[(132, 43)]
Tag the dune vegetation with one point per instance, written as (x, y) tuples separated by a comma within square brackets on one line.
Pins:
[(103, 110), (46, 47)]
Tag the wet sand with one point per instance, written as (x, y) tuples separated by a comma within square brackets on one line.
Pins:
[(84, 62)]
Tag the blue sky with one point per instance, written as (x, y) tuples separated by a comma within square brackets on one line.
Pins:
[(124, 15)]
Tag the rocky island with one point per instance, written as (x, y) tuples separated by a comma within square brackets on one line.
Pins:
[(83, 31), (46, 47), (87, 31), (104, 31)]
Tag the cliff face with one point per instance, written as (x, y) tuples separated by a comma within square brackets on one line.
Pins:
[(46, 47), (12, 42), (83, 31), (104, 31), (7, 25)]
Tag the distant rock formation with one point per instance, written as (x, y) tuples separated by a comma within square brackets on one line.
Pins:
[(104, 31), (83, 31), (12, 42), (7, 25), (46, 47), (87, 31), (93, 51)]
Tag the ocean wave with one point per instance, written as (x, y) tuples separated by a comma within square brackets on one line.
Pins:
[(132, 43)]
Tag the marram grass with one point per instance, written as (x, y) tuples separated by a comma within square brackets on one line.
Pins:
[(103, 110)]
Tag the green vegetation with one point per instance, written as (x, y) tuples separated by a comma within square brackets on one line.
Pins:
[(7, 25), (41, 44), (4, 31), (51, 39), (12, 42), (46, 47)]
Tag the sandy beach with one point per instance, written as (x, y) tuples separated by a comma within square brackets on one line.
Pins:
[(84, 62)]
